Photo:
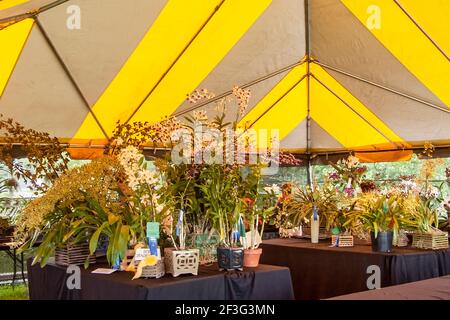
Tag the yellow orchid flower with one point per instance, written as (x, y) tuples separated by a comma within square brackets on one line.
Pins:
[(147, 262)]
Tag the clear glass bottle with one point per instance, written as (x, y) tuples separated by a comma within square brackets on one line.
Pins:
[(315, 225)]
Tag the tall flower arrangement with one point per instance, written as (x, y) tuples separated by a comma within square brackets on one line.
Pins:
[(348, 175)]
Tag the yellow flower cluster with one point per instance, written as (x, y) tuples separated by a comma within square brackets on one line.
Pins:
[(98, 179)]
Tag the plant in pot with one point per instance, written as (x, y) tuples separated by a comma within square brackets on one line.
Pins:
[(339, 223), (71, 212), (379, 215), (180, 259), (220, 191), (305, 200), (258, 206), (180, 196), (424, 221)]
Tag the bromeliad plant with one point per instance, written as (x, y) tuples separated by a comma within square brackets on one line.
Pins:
[(304, 199), (375, 213)]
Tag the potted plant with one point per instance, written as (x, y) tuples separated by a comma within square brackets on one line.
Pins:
[(379, 215), (83, 203), (220, 190), (340, 224), (257, 208), (180, 196), (425, 220), (303, 202)]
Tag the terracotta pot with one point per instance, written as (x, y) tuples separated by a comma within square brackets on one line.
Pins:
[(251, 257)]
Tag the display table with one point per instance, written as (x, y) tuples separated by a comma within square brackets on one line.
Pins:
[(18, 261), (264, 282), (431, 289), (319, 271)]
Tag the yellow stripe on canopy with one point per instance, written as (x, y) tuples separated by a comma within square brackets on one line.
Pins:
[(218, 37), (275, 94), (168, 36), (434, 17), (12, 40), (407, 43), (351, 128), (285, 115), (5, 4)]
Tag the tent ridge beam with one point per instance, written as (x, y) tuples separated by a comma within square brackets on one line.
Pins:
[(405, 95), (421, 29), (69, 75), (356, 112), (216, 9), (244, 86)]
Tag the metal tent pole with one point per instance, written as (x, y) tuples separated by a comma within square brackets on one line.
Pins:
[(308, 95)]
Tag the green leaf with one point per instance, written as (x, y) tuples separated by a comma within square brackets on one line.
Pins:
[(94, 239)]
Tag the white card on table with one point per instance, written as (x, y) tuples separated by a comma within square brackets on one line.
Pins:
[(104, 271)]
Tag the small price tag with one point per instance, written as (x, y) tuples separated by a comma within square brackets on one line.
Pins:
[(153, 230), (143, 252)]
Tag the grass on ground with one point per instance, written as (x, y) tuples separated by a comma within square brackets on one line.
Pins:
[(18, 292)]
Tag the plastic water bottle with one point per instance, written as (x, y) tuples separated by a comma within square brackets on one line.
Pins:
[(315, 223)]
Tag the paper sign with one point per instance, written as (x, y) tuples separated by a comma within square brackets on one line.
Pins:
[(247, 241), (103, 271), (153, 230), (143, 252)]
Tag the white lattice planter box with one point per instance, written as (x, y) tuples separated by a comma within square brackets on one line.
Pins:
[(181, 261), (432, 241), (342, 241)]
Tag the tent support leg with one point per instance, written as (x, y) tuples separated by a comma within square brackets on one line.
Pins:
[(309, 171)]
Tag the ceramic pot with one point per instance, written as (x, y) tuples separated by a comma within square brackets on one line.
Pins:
[(251, 257), (383, 241)]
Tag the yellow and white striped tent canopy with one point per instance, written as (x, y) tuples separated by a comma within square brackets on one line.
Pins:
[(329, 74)]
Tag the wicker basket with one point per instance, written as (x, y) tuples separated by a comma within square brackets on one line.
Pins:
[(156, 271), (342, 241), (73, 255), (432, 241), (401, 240), (181, 261)]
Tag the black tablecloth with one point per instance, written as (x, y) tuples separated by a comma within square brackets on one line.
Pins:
[(431, 289), (319, 271), (264, 282)]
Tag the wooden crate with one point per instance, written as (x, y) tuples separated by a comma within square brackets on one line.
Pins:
[(73, 254), (432, 241), (342, 241)]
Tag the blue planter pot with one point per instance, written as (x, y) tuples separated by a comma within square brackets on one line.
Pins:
[(230, 258), (383, 241)]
